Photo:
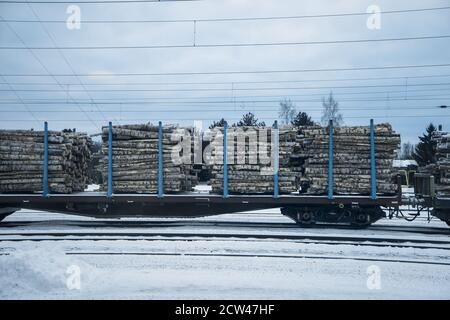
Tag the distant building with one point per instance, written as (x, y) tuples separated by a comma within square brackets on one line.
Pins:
[(406, 169)]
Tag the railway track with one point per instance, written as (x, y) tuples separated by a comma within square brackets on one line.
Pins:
[(243, 255), (251, 255), (223, 224), (186, 236)]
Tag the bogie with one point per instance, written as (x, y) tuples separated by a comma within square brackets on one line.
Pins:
[(307, 216)]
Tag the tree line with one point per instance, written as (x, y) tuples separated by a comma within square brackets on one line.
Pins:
[(424, 152), (290, 116)]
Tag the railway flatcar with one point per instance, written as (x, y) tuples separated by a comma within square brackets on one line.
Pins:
[(425, 197), (306, 210)]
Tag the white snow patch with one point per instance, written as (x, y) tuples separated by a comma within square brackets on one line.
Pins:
[(33, 272), (92, 187)]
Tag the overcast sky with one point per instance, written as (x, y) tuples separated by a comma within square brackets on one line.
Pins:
[(408, 98)]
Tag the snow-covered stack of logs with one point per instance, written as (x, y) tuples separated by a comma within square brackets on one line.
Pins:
[(351, 159), (22, 161), (443, 163), (250, 163), (135, 159)]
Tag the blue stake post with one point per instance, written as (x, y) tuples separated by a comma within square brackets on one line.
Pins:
[(276, 154), (110, 169), (330, 163), (45, 173), (225, 161), (160, 162), (373, 173)]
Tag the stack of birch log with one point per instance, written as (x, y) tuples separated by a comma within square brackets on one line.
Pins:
[(22, 161), (135, 158), (443, 163), (250, 160), (351, 159)]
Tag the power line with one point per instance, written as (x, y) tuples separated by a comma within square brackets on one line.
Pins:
[(232, 82), (62, 55), (130, 102), (21, 100), (44, 67), (221, 45), (228, 89), (227, 72), (238, 118), (87, 1), (231, 109), (294, 17), (227, 99)]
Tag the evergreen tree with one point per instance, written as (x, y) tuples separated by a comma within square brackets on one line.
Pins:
[(302, 119), (425, 151), (219, 123), (249, 120)]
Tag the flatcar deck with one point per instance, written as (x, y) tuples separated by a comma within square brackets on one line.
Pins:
[(102, 197)]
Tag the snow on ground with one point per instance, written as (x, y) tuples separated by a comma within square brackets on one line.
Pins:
[(212, 268)]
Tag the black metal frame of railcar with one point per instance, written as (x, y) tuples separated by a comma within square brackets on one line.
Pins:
[(98, 204), (426, 198)]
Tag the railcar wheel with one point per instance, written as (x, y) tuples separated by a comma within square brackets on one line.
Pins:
[(361, 220), (305, 218)]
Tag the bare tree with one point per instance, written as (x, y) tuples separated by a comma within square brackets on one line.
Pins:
[(331, 111), (406, 151), (287, 111)]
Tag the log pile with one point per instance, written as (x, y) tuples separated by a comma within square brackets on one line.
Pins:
[(250, 162), (22, 161), (442, 163), (351, 159), (135, 159)]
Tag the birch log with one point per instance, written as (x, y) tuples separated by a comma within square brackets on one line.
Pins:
[(135, 158), (251, 160), (22, 158), (351, 159), (442, 167)]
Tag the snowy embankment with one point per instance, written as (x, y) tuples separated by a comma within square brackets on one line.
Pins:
[(211, 268)]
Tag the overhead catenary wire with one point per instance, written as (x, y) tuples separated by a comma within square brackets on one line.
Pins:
[(290, 17), (353, 69), (250, 98), (243, 102), (221, 45), (228, 89), (41, 63), (238, 118), (187, 73), (234, 82), (272, 108), (21, 100), (87, 1), (63, 57), (436, 92)]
